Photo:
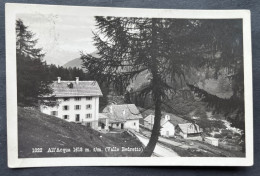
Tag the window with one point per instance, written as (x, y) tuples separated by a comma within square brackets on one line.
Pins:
[(66, 99), (88, 98), (77, 98), (66, 117), (88, 124), (88, 106), (54, 113), (77, 117), (66, 107), (88, 116), (77, 107), (134, 123)]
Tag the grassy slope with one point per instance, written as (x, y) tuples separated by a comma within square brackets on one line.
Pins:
[(39, 130)]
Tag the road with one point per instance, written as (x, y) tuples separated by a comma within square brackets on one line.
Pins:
[(193, 144), (171, 142), (159, 150), (168, 141)]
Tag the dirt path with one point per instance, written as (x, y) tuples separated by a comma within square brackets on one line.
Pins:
[(159, 150), (171, 142), (168, 141)]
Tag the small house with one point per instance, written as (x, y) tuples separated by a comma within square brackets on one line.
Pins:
[(124, 116), (103, 122), (189, 130), (167, 127)]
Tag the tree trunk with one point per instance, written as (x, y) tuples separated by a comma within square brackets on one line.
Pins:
[(148, 151), (157, 97)]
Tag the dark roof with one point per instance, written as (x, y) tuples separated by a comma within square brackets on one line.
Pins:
[(120, 113), (80, 89)]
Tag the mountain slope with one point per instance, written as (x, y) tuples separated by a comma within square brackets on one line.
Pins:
[(37, 130), (220, 87), (78, 62), (74, 63)]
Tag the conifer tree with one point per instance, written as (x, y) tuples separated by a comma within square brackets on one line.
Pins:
[(32, 73), (165, 48)]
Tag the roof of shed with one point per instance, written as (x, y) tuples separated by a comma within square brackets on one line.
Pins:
[(175, 120), (150, 119), (119, 113)]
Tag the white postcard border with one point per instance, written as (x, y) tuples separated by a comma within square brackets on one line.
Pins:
[(11, 87)]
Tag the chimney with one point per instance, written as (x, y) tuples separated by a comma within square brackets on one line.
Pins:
[(77, 80), (111, 109), (59, 78), (167, 117)]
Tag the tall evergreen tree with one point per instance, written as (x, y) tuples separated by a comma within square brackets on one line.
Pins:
[(166, 48), (32, 74)]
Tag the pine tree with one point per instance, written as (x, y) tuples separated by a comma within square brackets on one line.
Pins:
[(32, 73), (166, 48)]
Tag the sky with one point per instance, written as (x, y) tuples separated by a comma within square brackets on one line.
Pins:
[(61, 37)]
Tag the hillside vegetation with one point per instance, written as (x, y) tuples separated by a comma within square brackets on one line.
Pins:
[(37, 130)]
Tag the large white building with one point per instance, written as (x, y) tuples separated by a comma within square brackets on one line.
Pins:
[(78, 101)]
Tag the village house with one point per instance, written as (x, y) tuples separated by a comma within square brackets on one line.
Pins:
[(189, 131), (124, 116), (167, 128), (103, 122), (168, 123), (77, 101)]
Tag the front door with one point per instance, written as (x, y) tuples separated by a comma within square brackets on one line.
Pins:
[(122, 126), (102, 125), (77, 118)]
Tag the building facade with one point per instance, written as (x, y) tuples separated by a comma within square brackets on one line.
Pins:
[(77, 101), (167, 127), (189, 131)]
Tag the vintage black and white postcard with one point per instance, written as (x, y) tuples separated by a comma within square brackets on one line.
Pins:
[(98, 86)]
